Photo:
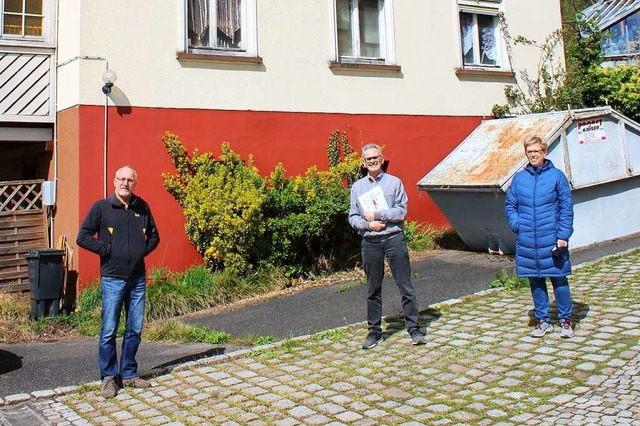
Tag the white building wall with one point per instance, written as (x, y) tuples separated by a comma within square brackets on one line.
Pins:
[(68, 52), (295, 39)]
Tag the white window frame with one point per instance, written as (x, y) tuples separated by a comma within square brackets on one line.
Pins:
[(47, 38), (386, 34), (482, 7), (249, 31)]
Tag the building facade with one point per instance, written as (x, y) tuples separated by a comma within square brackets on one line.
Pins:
[(273, 78), (27, 133)]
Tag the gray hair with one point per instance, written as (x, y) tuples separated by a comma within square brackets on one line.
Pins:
[(126, 166), (371, 145)]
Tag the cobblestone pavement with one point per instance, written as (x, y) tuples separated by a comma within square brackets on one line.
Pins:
[(479, 367)]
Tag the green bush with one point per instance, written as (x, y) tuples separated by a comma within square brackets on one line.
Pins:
[(307, 219), (238, 220), (222, 202), (619, 87)]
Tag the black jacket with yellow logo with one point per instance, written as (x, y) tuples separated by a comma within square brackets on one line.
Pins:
[(124, 236)]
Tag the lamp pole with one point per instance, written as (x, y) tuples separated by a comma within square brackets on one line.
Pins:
[(109, 78)]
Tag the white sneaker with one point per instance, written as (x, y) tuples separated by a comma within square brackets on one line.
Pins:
[(566, 330), (541, 328)]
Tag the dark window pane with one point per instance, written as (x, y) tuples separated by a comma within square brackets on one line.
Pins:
[(12, 25), (369, 29), (14, 6), (343, 16), (33, 26), (34, 7), (466, 35)]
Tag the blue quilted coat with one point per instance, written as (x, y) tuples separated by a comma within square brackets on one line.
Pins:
[(539, 209)]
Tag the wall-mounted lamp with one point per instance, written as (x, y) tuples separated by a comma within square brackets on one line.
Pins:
[(109, 77)]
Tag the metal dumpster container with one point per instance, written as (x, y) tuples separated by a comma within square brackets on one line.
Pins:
[(597, 148)]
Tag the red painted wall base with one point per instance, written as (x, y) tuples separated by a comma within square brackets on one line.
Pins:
[(413, 145)]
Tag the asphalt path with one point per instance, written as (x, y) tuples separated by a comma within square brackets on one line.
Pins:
[(438, 276)]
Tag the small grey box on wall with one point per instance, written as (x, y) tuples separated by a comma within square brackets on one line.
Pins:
[(49, 193)]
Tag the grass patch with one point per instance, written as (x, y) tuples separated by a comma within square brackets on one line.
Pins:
[(334, 335), (348, 286), (626, 291), (168, 295), (175, 331), (288, 346), (14, 306)]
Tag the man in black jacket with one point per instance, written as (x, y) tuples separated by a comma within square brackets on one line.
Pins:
[(122, 231)]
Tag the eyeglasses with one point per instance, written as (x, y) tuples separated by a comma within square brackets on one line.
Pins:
[(373, 159), (534, 152), (125, 180)]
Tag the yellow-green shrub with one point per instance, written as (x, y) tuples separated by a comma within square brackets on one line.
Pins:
[(237, 219), (222, 202)]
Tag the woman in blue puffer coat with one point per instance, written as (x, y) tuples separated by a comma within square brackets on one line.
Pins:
[(539, 209)]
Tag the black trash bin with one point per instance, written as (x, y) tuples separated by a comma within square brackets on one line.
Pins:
[(45, 279)]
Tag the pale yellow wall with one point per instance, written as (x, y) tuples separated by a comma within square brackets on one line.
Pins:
[(68, 48), (140, 39)]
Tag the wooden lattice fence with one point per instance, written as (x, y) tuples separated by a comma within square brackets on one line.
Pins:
[(23, 227)]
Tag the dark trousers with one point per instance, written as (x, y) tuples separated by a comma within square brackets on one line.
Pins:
[(373, 254)]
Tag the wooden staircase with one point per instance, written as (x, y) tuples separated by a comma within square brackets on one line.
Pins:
[(23, 227)]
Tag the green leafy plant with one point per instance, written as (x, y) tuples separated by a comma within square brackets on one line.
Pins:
[(262, 340), (619, 87), (420, 237), (509, 282)]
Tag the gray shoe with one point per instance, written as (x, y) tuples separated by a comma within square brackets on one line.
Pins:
[(542, 327), (417, 338), (109, 387), (372, 339), (566, 330), (136, 382)]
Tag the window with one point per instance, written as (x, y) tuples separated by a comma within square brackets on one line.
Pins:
[(22, 18), (221, 27), (480, 38), (364, 31), (624, 37)]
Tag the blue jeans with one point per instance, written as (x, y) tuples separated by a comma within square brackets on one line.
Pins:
[(373, 254), (115, 294), (540, 295)]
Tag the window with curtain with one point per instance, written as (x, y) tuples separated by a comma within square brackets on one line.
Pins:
[(216, 24), (481, 41), (479, 34), (22, 18), (360, 29)]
